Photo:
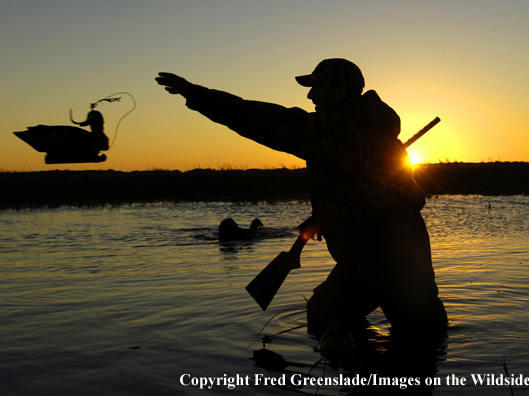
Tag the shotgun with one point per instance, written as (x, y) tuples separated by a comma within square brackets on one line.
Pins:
[(265, 285)]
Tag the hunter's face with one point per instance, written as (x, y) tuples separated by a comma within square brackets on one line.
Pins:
[(325, 95)]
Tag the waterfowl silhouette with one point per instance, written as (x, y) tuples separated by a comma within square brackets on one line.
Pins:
[(70, 144), (229, 230)]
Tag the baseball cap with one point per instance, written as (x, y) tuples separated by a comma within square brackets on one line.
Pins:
[(335, 69)]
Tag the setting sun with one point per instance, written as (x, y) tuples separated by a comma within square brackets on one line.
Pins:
[(413, 159)]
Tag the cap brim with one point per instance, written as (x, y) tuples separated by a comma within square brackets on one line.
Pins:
[(306, 81)]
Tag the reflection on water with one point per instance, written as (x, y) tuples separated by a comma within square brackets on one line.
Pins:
[(126, 301)]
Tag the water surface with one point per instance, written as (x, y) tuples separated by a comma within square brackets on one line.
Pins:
[(125, 301)]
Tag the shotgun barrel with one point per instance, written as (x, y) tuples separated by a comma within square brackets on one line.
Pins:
[(412, 140)]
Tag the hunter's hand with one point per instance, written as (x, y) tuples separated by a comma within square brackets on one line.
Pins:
[(312, 232), (173, 83)]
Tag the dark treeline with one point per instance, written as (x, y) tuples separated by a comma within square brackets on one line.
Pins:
[(485, 178), (95, 188)]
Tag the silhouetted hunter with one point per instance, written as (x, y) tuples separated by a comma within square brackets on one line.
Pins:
[(365, 202)]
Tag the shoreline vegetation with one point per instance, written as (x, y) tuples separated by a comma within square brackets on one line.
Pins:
[(52, 189)]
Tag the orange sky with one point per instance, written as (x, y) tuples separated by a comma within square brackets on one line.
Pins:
[(462, 61)]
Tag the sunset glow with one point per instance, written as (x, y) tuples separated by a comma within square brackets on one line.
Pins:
[(460, 61), (414, 159)]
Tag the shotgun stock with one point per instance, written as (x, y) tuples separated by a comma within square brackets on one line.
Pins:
[(265, 285)]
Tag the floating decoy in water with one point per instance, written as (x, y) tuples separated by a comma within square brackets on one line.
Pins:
[(68, 144), (229, 230)]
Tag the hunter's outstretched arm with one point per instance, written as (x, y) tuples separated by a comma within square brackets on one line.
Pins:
[(174, 84)]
